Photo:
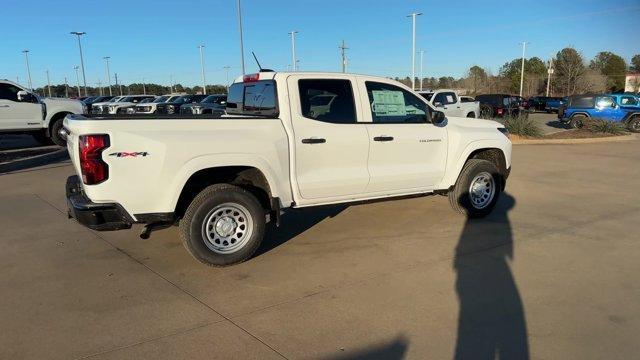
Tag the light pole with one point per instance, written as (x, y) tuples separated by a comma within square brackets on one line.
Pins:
[(413, 51), (84, 78), (204, 83), (293, 49), (171, 81), (66, 88), (77, 79), (227, 68), (549, 72), (524, 47), (106, 60), (342, 48), (241, 40), (100, 87), (421, 64), (144, 88), (48, 84), (118, 85), (26, 57)]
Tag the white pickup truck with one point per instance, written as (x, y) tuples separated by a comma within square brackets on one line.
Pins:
[(22, 111), (222, 178), (451, 104)]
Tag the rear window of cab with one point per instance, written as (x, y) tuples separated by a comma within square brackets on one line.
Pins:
[(253, 98)]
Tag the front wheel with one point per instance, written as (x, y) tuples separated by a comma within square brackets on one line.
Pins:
[(477, 189), (223, 225), (55, 133), (634, 124), (577, 121)]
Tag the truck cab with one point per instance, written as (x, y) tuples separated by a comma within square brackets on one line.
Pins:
[(449, 102)]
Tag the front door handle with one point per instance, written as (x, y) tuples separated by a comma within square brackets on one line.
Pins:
[(383, 138), (314, 141)]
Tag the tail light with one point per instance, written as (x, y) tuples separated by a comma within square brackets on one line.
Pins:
[(499, 110), (94, 170), (251, 78)]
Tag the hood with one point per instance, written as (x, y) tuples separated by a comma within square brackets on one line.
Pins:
[(49, 100), (473, 123)]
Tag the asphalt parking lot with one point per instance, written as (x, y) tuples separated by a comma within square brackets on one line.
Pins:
[(553, 273)]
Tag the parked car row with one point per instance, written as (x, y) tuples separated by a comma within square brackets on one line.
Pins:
[(151, 104)]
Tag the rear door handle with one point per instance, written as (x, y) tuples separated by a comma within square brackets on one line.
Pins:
[(383, 138), (314, 141)]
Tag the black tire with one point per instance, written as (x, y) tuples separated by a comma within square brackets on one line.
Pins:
[(471, 115), (202, 209), (634, 124), (577, 121), (486, 111), (55, 132), (460, 197)]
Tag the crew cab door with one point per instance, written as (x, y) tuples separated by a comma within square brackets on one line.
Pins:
[(331, 147), (18, 114), (606, 108), (406, 152), (449, 103)]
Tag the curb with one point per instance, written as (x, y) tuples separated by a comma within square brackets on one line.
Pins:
[(575, 141), (33, 161)]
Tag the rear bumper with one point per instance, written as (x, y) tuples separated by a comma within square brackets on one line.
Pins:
[(100, 217)]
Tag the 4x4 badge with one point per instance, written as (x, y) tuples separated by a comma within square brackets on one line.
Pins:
[(129, 154)]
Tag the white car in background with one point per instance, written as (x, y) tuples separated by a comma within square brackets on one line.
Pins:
[(103, 107), (150, 108), (24, 112), (127, 101), (452, 104)]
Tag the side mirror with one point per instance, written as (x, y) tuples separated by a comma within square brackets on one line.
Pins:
[(437, 117), (23, 95), (438, 104)]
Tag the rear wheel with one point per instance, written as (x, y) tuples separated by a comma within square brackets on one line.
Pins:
[(477, 189), (577, 121), (486, 112), (223, 225), (634, 124)]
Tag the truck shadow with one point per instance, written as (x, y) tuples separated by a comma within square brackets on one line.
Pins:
[(393, 350), (491, 322), (294, 223)]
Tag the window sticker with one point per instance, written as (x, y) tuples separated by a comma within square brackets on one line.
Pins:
[(450, 99), (388, 103)]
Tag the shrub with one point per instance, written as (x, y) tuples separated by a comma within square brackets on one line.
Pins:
[(605, 126), (522, 125)]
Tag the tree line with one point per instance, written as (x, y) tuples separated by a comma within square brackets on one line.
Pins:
[(60, 90), (572, 74)]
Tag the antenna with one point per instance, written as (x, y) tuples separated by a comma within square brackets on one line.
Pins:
[(257, 62)]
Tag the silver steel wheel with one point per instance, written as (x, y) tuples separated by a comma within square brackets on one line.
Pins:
[(227, 228), (482, 190)]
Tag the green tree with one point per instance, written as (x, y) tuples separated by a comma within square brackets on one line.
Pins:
[(613, 67), (635, 63), (477, 77), (534, 69)]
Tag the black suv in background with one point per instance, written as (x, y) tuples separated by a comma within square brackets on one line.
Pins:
[(499, 105), (536, 103), (174, 106), (95, 99), (212, 104)]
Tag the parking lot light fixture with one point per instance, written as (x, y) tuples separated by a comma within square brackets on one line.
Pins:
[(204, 83), (26, 57), (106, 60), (413, 50), (421, 65), (84, 78), (524, 47), (241, 40), (77, 79), (293, 49)]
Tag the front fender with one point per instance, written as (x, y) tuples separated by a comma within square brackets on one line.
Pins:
[(456, 163)]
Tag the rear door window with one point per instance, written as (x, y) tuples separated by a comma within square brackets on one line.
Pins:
[(327, 100)]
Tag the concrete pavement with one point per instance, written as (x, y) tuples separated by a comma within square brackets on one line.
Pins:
[(552, 273)]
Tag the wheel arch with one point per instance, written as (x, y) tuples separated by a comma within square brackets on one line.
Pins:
[(55, 117), (498, 152), (250, 178)]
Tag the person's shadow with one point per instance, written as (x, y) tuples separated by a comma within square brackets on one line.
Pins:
[(491, 324)]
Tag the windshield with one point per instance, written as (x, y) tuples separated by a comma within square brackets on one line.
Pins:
[(160, 99), (116, 99), (214, 99), (147, 100)]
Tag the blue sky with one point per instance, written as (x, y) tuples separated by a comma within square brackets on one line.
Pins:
[(156, 38)]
